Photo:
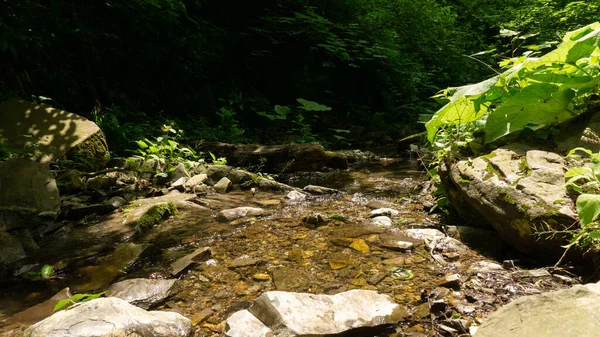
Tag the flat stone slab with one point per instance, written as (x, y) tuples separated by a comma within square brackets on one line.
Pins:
[(301, 314), (110, 317), (141, 292), (239, 212), (567, 313), (198, 255)]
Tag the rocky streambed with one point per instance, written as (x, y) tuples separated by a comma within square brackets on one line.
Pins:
[(366, 228)]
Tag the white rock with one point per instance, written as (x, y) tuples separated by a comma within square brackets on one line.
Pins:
[(244, 324), (427, 234), (384, 211), (110, 317), (299, 314), (195, 180), (295, 196), (382, 221), (239, 212), (314, 189)]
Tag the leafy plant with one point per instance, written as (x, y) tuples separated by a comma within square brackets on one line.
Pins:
[(46, 272), (533, 93), (217, 161), (75, 299)]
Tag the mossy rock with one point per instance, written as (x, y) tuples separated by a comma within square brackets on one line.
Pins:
[(154, 215)]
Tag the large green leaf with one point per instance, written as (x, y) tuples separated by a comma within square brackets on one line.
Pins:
[(312, 106), (588, 208), (538, 105), (461, 111)]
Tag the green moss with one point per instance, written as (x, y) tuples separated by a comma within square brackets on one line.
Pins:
[(154, 215), (524, 167), (338, 216), (489, 155), (91, 154), (523, 208), (491, 171), (548, 211), (559, 201)]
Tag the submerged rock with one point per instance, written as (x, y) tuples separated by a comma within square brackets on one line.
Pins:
[(200, 254), (140, 292), (110, 317), (566, 313), (319, 190), (301, 314), (239, 212)]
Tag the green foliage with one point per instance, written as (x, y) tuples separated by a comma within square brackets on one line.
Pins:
[(77, 298), (46, 272), (218, 161), (534, 93), (339, 217)]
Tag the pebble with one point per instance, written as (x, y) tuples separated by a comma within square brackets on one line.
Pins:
[(261, 277), (450, 281)]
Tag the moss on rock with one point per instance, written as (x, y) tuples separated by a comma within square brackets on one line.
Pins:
[(154, 215)]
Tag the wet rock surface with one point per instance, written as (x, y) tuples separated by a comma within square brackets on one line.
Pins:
[(143, 293), (229, 249)]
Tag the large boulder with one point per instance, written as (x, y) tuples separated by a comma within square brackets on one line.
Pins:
[(278, 158), (565, 313), (518, 192), (141, 292), (111, 317), (27, 189), (56, 133), (301, 314)]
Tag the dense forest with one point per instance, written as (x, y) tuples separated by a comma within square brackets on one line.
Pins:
[(268, 71)]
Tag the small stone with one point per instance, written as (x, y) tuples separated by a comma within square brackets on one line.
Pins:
[(374, 204), (339, 261), (319, 190), (243, 261), (383, 212), (201, 316), (261, 277), (451, 256), (223, 185), (397, 262), (184, 262), (382, 221), (397, 245), (295, 196), (360, 245), (179, 184), (239, 212), (450, 281), (198, 179), (375, 279), (535, 273)]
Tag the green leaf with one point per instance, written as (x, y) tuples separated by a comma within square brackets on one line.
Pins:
[(61, 304), (588, 208), (538, 104), (141, 144), (47, 271), (312, 106)]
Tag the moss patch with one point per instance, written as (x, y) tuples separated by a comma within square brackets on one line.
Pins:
[(507, 198), (91, 154), (524, 167), (154, 215)]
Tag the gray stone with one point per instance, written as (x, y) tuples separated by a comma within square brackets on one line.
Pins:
[(397, 245), (57, 133), (198, 179), (239, 212), (518, 192), (178, 173), (116, 202), (295, 196), (383, 212), (110, 317), (319, 190), (485, 267), (382, 221), (11, 250), (244, 324), (179, 184), (140, 292), (243, 261), (239, 177), (223, 185), (426, 234), (450, 281), (216, 172), (26, 189), (301, 314), (566, 313), (100, 183), (200, 254), (374, 204)]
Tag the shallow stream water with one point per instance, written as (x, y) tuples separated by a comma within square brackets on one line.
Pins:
[(295, 257)]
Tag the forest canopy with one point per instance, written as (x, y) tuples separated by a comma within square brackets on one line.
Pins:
[(240, 70)]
